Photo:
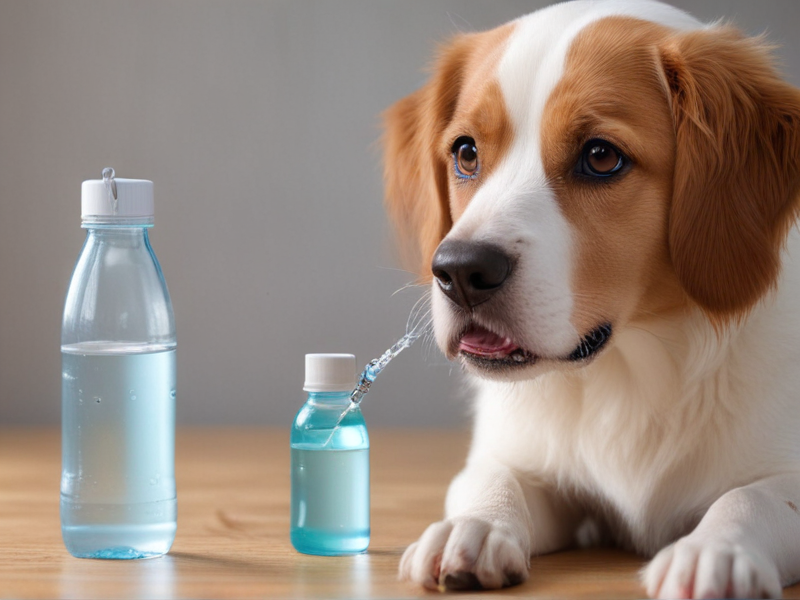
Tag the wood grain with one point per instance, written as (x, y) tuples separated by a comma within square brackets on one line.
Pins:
[(232, 542)]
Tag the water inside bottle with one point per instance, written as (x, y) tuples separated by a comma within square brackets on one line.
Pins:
[(118, 482), (330, 505)]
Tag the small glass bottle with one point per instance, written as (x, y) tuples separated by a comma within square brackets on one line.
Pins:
[(330, 462), (118, 382)]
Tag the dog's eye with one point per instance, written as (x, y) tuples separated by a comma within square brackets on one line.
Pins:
[(465, 157), (600, 159)]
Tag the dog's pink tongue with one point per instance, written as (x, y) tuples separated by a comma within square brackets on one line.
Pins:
[(483, 342)]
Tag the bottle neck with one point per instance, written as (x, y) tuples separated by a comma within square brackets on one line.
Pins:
[(131, 237), (332, 398), (116, 230), (116, 222)]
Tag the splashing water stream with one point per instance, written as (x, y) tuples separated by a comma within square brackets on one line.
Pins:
[(418, 324)]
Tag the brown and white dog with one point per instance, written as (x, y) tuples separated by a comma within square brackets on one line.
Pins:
[(606, 192)]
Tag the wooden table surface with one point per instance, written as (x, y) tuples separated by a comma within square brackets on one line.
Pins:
[(233, 526)]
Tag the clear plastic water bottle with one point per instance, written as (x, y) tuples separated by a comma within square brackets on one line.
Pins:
[(330, 464), (118, 382)]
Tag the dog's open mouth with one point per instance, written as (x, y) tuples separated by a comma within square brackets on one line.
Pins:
[(487, 349)]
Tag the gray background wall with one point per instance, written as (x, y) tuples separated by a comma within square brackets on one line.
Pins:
[(258, 124)]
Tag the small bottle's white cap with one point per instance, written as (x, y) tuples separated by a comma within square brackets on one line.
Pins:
[(117, 201), (330, 372)]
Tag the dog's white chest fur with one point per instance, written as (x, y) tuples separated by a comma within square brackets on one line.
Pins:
[(660, 426)]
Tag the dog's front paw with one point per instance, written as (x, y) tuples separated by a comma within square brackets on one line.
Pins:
[(692, 569), (466, 553)]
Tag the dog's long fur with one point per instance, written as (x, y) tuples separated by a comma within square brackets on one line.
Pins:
[(680, 439)]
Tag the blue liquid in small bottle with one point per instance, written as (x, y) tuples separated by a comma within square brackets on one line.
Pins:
[(118, 482), (330, 477)]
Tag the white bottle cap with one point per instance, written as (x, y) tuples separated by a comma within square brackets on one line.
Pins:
[(117, 201), (330, 372)]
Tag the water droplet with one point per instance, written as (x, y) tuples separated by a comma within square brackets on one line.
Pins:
[(97, 399), (172, 394)]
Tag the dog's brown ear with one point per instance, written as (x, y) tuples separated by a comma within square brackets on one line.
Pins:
[(415, 170), (737, 167)]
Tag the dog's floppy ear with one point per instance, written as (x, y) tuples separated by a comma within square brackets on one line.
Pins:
[(737, 167), (415, 170)]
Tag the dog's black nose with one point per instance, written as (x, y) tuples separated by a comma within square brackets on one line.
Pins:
[(469, 273)]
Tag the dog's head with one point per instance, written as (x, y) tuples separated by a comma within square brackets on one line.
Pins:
[(590, 165)]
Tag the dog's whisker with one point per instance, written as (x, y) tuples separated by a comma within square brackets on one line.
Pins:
[(397, 269), (407, 286)]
